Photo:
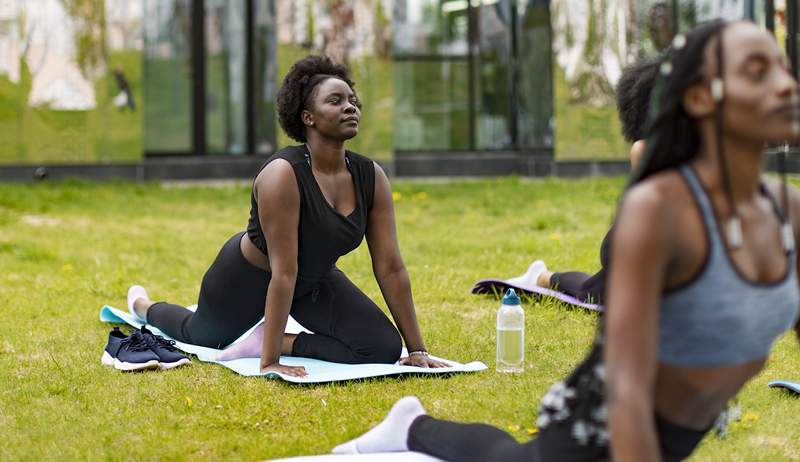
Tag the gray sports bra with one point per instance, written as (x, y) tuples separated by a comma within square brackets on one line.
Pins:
[(720, 318)]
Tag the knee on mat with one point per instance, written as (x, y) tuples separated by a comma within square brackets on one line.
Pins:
[(385, 348)]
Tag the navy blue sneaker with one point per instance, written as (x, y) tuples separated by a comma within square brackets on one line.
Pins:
[(168, 355), (128, 352)]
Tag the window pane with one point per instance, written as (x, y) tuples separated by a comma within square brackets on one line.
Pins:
[(167, 76), (121, 92), (225, 76), (535, 85), (589, 49), (265, 70), (424, 27), (431, 105), (494, 80)]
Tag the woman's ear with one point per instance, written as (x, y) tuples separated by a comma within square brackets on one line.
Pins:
[(307, 118), (698, 101)]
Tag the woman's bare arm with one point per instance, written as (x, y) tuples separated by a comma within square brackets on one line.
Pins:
[(638, 264), (390, 271), (279, 213)]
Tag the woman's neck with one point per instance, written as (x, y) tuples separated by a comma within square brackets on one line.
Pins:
[(327, 156), (742, 158)]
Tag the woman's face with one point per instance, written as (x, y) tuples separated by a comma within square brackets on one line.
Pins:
[(334, 111), (759, 92)]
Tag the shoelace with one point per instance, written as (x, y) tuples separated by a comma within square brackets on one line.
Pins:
[(135, 342), (154, 339)]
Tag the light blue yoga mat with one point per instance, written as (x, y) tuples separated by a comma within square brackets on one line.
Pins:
[(318, 371), (403, 456), (791, 386)]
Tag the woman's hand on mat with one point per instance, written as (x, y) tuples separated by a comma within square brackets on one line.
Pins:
[(294, 371), (422, 361)]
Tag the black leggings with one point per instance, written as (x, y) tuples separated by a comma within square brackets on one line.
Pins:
[(348, 327), (589, 288), (585, 287), (459, 442)]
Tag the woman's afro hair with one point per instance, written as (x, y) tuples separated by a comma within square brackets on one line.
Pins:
[(297, 87), (633, 97)]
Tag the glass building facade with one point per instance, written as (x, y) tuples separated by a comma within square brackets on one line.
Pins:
[(472, 75), (119, 81)]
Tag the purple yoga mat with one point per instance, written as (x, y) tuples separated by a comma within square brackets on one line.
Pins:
[(488, 286)]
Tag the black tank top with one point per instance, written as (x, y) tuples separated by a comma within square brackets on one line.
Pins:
[(324, 234)]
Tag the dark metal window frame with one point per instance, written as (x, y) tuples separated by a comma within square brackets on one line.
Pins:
[(199, 136), (472, 57)]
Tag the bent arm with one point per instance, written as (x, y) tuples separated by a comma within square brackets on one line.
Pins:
[(636, 278), (387, 264), (279, 212)]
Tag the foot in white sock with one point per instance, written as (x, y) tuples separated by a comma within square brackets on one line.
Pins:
[(247, 348), (135, 293), (389, 435)]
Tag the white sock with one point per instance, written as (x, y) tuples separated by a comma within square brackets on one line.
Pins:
[(389, 435), (135, 293)]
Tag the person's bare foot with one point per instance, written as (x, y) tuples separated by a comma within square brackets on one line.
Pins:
[(543, 280), (251, 346)]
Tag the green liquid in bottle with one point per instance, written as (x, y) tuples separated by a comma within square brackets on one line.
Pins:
[(510, 350)]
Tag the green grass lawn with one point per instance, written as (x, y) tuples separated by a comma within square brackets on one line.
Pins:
[(67, 249)]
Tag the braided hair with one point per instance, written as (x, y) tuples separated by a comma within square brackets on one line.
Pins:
[(673, 138)]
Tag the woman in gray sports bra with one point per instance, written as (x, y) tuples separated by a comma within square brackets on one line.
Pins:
[(702, 279)]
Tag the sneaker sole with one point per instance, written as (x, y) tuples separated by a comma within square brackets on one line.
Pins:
[(178, 363), (107, 359), (128, 367)]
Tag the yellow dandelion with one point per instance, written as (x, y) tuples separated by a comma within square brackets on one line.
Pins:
[(513, 428), (532, 430), (396, 196), (749, 417), (189, 401), (67, 268)]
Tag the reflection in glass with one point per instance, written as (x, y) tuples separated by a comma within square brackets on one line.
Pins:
[(225, 76), (122, 90), (430, 27), (265, 68), (535, 82), (711, 9), (167, 76), (590, 47), (431, 105), (494, 75)]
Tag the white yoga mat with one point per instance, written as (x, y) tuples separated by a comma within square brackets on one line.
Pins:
[(318, 371)]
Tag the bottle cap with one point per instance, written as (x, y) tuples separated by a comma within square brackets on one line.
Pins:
[(510, 298)]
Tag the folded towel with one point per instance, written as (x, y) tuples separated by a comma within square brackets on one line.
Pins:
[(318, 371)]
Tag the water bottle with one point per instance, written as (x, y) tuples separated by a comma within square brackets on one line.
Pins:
[(510, 334)]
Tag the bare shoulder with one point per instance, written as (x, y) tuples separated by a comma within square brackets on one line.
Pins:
[(380, 174), (657, 196), (276, 175)]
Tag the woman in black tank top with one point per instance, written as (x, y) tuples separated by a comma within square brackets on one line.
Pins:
[(310, 205)]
